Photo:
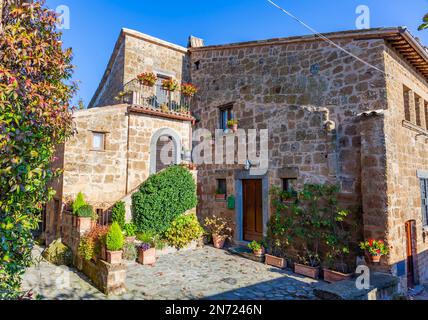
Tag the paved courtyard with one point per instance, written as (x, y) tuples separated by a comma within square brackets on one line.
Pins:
[(205, 273)]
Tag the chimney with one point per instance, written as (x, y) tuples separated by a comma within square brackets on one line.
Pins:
[(195, 42)]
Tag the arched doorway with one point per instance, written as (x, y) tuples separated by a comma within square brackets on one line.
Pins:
[(165, 149)]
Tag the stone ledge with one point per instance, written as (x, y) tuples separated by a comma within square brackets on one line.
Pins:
[(383, 287)]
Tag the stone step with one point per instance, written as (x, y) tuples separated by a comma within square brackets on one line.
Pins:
[(382, 287)]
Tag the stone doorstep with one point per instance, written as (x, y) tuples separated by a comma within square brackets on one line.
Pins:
[(383, 287)]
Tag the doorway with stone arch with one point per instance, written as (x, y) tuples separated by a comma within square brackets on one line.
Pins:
[(165, 149)]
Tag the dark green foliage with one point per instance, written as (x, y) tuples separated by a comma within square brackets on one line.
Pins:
[(162, 198), (114, 240), (118, 213), (78, 203), (85, 211)]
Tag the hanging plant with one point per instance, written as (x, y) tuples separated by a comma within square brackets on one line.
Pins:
[(147, 78), (188, 89), (170, 85)]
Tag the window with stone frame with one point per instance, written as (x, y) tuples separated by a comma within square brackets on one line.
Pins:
[(406, 96), (221, 186), (424, 196), (226, 114), (98, 141)]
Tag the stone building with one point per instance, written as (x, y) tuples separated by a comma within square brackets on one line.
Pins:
[(331, 118)]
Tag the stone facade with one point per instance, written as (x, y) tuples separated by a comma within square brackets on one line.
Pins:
[(298, 89), (330, 118), (133, 54)]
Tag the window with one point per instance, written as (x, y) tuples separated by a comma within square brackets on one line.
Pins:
[(289, 185), (406, 94), (162, 96), (221, 186), (426, 114), (418, 109), (424, 196), (98, 141), (225, 116)]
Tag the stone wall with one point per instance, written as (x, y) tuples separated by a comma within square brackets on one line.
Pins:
[(107, 176), (407, 152), (306, 94), (135, 53)]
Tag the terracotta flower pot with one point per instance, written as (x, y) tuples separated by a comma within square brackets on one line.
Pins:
[(375, 258), (311, 272), (84, 224), (275, 261), (260, 252), (114, 257), (147, 257), (235, 128), (332, 276), (131, 239), (218, 241)]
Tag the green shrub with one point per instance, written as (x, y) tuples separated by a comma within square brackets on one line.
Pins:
[(118, 213), (162, 198), (78, 203), (58, 254), (183, 231), (86, 248), (130, 229), (114, 240), (148, 237), (85, 211)]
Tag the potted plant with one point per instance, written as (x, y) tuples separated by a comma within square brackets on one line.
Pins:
[(85, 217), (130, 230), (188, 89), (309, 265), (146, 254), (114, 244), (147, 78), (170, 85), (375, 248), (220, 230), (337, 239), (258, 248), (220, 195), (233, 124)]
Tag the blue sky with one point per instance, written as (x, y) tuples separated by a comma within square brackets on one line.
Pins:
[(95, 24)]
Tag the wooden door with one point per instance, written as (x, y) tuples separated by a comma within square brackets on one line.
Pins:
[(410, 246), (253, 210)]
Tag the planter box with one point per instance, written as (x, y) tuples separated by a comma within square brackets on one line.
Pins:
[(147, 257), (220, 197), (307, 271), (332, 276), (114, 257), (276, 262)]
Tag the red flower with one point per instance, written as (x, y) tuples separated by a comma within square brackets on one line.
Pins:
[(371, 242)]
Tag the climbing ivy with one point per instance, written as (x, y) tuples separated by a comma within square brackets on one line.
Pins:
[(34, 118)]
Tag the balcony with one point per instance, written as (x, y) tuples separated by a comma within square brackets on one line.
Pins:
[(157, 98)]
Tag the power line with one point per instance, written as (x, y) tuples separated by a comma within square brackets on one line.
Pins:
[(315, 32)]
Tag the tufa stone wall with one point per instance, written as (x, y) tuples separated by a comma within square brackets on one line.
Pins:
[(406, 153), (308, 96)]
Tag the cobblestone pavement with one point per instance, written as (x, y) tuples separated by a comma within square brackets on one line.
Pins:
[(205, 273)]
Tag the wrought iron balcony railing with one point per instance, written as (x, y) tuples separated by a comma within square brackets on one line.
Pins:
[(154, 97)]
